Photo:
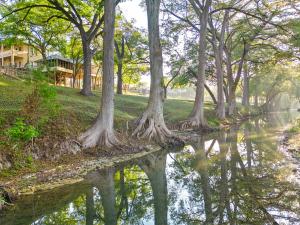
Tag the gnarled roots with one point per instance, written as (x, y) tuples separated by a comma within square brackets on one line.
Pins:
[(151, 127), (194, 123), (98, 136)]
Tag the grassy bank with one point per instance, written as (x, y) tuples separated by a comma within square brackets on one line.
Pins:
[(76, 113), (127, 107)]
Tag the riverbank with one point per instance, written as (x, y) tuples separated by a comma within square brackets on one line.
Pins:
[(47, 159), (292, 140)]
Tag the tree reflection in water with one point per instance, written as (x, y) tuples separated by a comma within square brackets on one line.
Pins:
[(233, 177)]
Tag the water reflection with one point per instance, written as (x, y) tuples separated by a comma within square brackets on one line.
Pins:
[(235, 177)]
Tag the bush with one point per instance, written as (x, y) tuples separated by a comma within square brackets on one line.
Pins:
[(20, 131)]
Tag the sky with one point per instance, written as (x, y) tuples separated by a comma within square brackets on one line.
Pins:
[(132, 10)]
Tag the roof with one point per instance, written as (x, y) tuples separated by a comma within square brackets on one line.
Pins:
[(59, 57)]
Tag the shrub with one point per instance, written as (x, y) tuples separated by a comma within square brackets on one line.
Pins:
[(20, 131)]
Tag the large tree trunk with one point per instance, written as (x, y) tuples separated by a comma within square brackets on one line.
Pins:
[(231, 91), (87, 67), (102, 132), (245, 100), (196, 118), (120, 78), (151, 124), (218, 50)]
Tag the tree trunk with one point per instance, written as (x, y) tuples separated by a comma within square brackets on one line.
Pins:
[(87, 68), (231, 103), (120, 78), (211, 94), (151, 124), (245, 100), (102, 132), (196, 118), (256, 99), (218, 50), (231, 92)]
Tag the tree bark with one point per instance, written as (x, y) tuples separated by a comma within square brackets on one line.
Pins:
[(151, 124), (211, 94), (218, 50), (120, 55), (120, 79), (196, 118), (245, 100), (102, 132), (87, 67)]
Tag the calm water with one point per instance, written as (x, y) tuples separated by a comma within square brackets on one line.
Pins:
[(241, 176)]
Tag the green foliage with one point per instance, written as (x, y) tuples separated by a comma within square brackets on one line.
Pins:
[(295, 128), (20, 131), (2, 200), (48, 95)]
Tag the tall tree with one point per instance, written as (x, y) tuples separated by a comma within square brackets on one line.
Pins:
[(196, 118), (102, 131), (151, 124), (218, 50)]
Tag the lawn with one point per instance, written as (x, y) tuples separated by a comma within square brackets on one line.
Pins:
[(127, 107)]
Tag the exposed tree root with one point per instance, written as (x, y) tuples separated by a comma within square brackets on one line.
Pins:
[(97, 136), (194, 123), (150, 127), (84, 93)]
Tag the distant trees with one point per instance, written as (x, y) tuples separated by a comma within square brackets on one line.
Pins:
[(73, 50), (131, 53)]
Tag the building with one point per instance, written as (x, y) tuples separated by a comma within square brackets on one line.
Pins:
[(17, 58), (64, 72)]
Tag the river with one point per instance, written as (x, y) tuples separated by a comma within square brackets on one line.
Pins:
[(243, 175)]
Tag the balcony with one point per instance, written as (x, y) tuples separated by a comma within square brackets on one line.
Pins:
[(8, 53)]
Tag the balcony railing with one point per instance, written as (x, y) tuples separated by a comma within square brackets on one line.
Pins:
[(8, 53)]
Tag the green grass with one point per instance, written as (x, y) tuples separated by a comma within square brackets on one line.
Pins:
[(76, 114), (127, 107)]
